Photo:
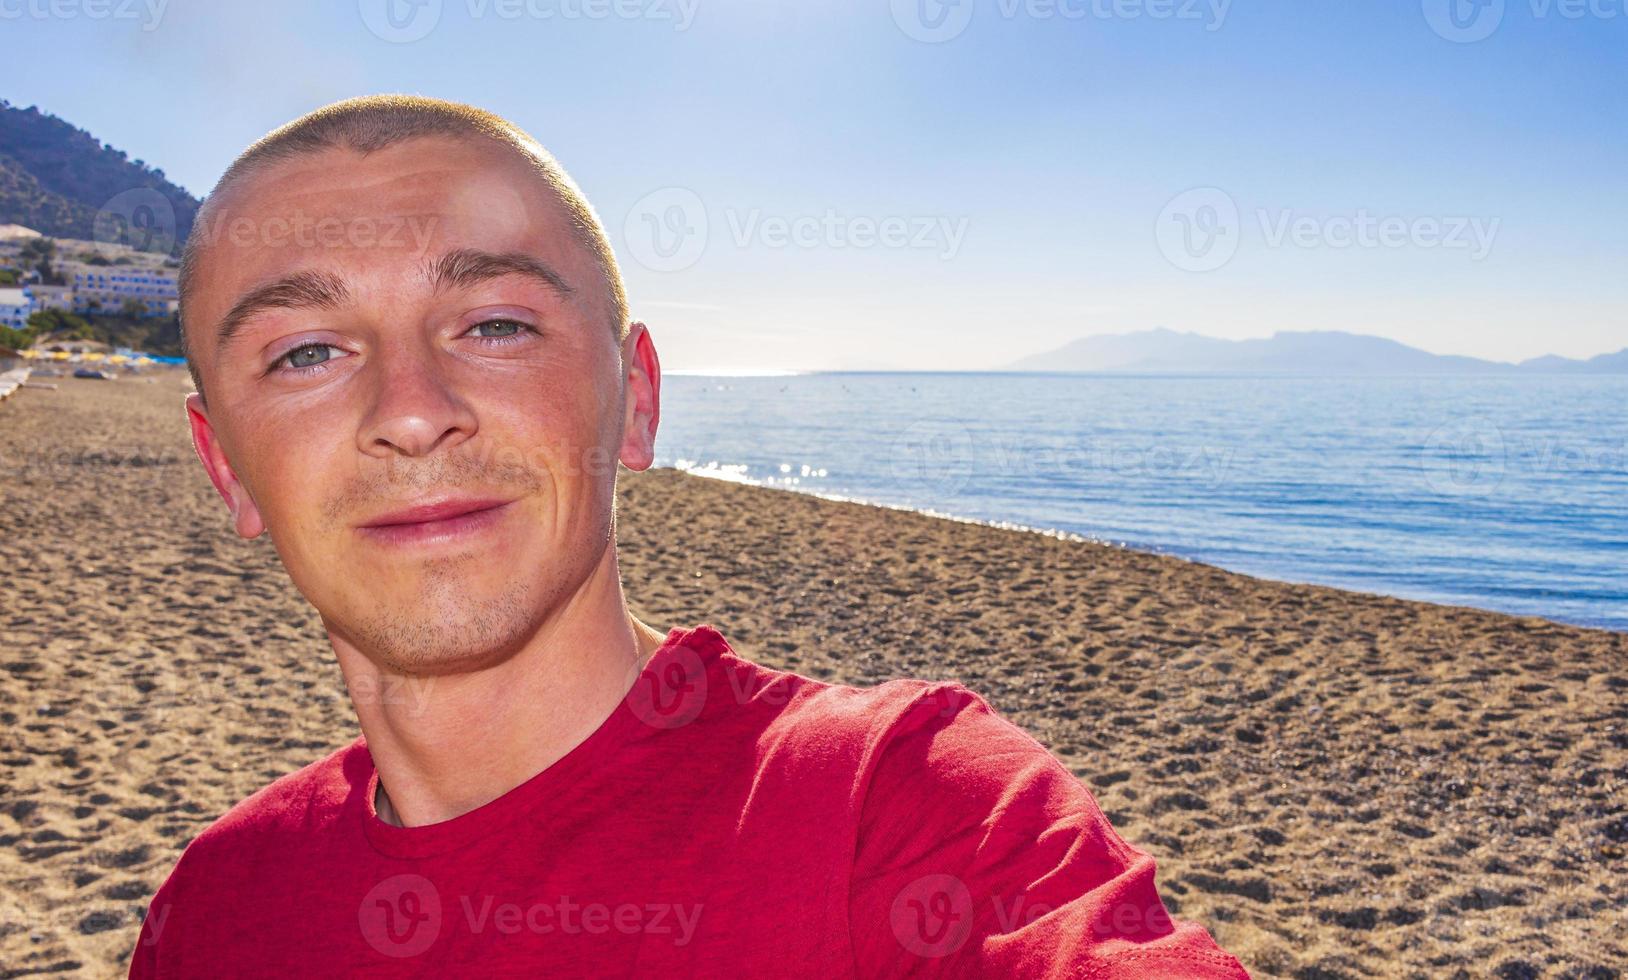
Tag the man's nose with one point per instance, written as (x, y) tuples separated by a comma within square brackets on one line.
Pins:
[(417, 408)]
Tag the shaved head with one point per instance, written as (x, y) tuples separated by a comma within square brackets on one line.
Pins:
[(372, 123)]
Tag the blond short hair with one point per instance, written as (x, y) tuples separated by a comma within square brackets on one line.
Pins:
[(373, 122)]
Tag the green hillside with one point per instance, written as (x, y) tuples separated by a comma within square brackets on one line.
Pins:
[(63, 182)]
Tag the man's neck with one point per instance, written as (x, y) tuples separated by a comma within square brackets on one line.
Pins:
[(447, 744)]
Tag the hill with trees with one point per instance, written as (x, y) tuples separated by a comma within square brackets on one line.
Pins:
[(65, 183)]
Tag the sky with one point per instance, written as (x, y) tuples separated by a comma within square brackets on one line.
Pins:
[(921, 184)]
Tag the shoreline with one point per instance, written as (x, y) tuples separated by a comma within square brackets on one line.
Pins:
[(1334, 783), (719, 474)]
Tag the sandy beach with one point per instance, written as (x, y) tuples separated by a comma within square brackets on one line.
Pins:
[(1335, 784)]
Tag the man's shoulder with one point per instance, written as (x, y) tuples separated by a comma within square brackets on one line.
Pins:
[(806, 714), (912, 739), (750, 682), (297, 804)]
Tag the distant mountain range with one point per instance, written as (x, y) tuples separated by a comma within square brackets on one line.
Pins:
[(56, 179), (1162, 351)]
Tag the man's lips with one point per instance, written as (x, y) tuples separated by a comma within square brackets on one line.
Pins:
[(442, 520)]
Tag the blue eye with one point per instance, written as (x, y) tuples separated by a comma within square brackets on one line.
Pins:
[(498, 328), (309, 355)]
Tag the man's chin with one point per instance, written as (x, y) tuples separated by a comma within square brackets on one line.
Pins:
[(446, 637)]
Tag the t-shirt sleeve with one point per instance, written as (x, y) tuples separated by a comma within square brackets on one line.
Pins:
[(160, 946), (979, 854), (144, 960)]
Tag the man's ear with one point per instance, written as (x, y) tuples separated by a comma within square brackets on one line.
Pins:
[(643, 411), (245, 515)]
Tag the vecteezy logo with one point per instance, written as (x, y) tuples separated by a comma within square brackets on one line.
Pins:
[(1464, 21), (932, 21), (932, 916), (400, 21), (670, 692), (141, 218), (666, 230), (401, 915), (935, 455), (1198, 230), (1465, 457)]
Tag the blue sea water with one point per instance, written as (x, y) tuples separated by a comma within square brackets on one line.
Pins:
[(1505, 493)]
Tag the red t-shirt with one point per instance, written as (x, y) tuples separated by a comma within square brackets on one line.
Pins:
[(725, 820)]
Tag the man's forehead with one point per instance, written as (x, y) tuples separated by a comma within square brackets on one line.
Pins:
[(389, 209), (450, 180), (419, 166)]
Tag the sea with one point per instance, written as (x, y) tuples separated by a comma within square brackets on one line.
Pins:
[(1503, 493)]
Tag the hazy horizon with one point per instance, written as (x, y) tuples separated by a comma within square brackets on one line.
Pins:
[(1005, 368)]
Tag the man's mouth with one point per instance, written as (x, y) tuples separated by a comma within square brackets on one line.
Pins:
[(432, 523)]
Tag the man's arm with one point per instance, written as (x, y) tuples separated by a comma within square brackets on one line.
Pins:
[(980, 854)]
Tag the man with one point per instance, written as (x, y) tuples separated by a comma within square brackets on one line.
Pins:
[(415, 370)]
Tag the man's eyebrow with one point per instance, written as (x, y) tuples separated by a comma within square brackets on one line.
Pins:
[(465, 267), (303, 290)]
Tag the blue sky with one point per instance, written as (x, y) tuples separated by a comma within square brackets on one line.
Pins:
[(834, 184)]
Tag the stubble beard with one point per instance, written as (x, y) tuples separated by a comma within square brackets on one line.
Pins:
[(443, 628)]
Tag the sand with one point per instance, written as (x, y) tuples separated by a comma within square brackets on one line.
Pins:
[(1335, 784)]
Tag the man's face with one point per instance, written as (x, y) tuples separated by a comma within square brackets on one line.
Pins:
[(414, 384)]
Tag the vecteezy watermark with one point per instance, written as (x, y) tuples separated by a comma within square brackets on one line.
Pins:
[(934, 21), (405, 21), (934, 915), (141, 218), (1465, 457), (935, 454), (1200, 230), (941, 234), (673, 921), (301, 230), (679, 13), (403, 915), (161, 691), (668, 230), (1473, 456), (1364, 230), (1464, 21), (1211, 13), (1469, 21), (62, 463), (400, 21), (671, 690), (941, 456), (148, 12), (490, 465)]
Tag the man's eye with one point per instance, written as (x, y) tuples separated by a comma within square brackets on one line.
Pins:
[(497, 328), (309, 355)]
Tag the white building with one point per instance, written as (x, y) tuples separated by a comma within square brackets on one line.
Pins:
[(15, 306), (50, 297), (106, 288)]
